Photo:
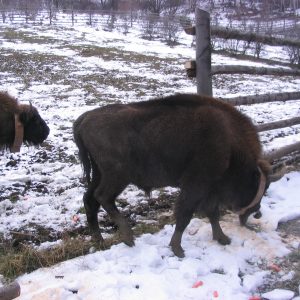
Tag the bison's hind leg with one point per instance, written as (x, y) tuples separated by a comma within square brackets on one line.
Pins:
[(106, 194), (91, 206)]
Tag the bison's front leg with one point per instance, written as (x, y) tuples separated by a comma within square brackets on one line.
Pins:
[(218, 234)]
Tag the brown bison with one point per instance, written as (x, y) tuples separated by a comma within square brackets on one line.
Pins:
[(19, 123), (202, 145)]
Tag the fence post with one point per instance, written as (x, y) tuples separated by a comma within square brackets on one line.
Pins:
[(72, 15), (203, 53), (50, 15)]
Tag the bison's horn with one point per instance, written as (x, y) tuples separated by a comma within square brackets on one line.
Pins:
[(30, 105), (259, 194)]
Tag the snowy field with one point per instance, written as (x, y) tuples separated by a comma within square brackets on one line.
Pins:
[(67, 71)]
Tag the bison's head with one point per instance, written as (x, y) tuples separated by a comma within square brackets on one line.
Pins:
[(35, 128), (261, 177)]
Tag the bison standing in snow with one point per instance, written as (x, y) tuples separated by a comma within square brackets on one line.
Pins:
[(19, 123), (202, 145)]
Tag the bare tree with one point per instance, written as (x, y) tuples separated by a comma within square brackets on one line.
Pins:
[(149, 27), (293, 54), (154, 6), (170, 31)]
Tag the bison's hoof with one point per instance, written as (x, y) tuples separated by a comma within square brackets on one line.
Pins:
[(128, 242), (126, 235), (224, 240), (127, 239), (177, 250), (257, 215)]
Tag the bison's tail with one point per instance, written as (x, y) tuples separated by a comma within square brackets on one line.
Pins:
[(83, 152)]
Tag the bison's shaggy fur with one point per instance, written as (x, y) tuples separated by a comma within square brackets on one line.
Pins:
[(35, 128), (202, 145)]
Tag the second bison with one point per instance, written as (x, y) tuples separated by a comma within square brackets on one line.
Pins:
[(202, 145), (20, 123)]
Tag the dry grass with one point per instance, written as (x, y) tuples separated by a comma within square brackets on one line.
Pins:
[(15, 261), (25, 258)]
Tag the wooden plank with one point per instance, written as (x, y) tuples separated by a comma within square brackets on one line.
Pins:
[(190, 65), (233, 69), (265, 98), (233, 34), (278, 124), (190, 30), (278, 153)]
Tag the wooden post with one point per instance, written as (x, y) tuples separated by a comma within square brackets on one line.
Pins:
[(26, 14), (50, 15), (72, 15), (203, 53), (90, 17)]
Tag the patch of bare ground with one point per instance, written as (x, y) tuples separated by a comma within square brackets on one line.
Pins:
[(20, 255), (286, 274), (286, 270)]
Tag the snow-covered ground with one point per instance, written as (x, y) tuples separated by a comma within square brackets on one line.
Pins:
[(149, 270), (66, 71)]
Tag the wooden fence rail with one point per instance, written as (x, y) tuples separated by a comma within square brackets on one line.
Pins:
[(256, 99), (278, 153), (234, 34), (233, 69), (278, 124), (201, 69)]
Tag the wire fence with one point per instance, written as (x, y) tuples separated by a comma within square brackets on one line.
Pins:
[(93, 18), (285, 27)]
